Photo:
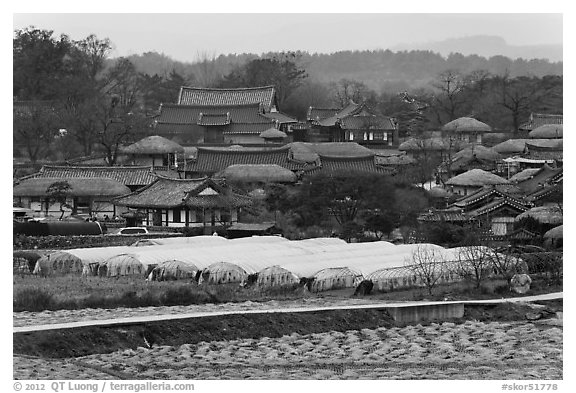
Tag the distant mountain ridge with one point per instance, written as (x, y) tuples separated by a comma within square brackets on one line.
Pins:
[(378, 69), (488, 46)]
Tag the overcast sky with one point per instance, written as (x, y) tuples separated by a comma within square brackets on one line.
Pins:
[(184, 36)]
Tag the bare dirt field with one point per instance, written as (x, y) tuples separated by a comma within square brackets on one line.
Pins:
[(494, 342)]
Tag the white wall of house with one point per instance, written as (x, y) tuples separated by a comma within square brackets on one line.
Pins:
[(464, 190), (98, 207), (177, 217)]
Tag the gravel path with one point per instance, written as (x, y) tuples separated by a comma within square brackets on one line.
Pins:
[(473, 350)]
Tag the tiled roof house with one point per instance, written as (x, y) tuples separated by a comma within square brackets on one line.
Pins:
[(186, 202), (192, 124), (353, 123), (199, 96), (300, 158), (539, 119)]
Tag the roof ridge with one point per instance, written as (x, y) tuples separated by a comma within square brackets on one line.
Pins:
[(272, 150), (98, 167), (228, 89), (188, 106)]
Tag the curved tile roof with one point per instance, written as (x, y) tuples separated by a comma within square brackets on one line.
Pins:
[(189, 114), (264, 95)]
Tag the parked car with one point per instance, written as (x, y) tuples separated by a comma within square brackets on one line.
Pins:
[(133, 231)]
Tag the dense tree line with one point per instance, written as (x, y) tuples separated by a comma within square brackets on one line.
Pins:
[(105, 102)]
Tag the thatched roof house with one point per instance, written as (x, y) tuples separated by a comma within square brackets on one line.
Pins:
[(551, 215), (264, 173), (526, 174), (273, 134), (154, 145), (480, 152), (90, 195), (476, 178), (80, 187), (555, 233), (466, 124), (547, 131), (131, 176), (417, 144)]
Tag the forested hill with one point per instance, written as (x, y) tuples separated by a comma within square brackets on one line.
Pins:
[(378, 69)]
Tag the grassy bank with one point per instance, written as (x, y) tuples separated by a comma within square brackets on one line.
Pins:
[(33, 293)]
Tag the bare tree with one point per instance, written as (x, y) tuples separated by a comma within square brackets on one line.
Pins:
[(35, 128), (475, 263), (506, 263), (346, 90), (451, 98), (428, 265), (207, 71)]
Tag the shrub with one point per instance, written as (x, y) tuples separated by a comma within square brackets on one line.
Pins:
[(32, 299)]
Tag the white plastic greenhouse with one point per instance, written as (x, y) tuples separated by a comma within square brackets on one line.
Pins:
[(336, 278), (276, 276), (223, 273), (58, 263), (173, 270), (332, 262), (122, 265)]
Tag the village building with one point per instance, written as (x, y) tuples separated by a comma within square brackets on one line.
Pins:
[(301, 158), (492, 207), (221, 116), (85, 196), (466, 129), (353, 123), (538, 119), (473, 180), (154, 151), (215, 124), (186, 203), (434, 148), (542, 187), (256, 174), (93, 187), (547, 131)]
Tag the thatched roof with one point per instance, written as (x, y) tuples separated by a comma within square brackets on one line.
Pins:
[(524, 175), (273, 133), (416, 144), (480, 152), (258, 173), (476, 178), (511, 146), (555, 233), (547, 131), (93, 186), (154, 145), (466, 124), (551, 215)]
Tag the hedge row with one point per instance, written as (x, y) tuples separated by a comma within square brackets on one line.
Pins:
[(22, 242)]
